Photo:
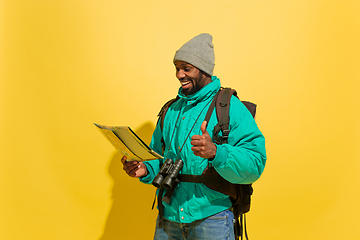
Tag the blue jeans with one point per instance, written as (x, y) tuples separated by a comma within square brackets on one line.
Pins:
[(217, 227)]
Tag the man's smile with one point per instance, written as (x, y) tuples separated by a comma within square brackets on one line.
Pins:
[(185, 84)]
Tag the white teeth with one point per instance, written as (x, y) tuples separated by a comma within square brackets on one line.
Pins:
[(184, 83)]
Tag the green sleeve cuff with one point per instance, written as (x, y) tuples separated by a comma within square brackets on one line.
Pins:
[(220, 156), (150, 176), (147, 179)]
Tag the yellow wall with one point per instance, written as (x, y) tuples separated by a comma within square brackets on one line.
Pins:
[(68, 64)]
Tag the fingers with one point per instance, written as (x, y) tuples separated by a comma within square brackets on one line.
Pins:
[(208, 151), (132, 173), (134, 168), (198, 152), (123, 159), (131, 167), (203, 146), (198, 145)]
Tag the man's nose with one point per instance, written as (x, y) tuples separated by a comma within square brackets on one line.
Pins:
[(180, 74)]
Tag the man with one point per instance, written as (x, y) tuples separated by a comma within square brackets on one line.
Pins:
[(196, 211)]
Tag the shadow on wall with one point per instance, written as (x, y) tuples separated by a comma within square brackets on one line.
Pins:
[(131, 200)]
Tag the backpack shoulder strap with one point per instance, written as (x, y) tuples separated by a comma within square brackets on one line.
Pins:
[(222, 111), (221, 102), (163, 111), (161, 117), (211, 107)]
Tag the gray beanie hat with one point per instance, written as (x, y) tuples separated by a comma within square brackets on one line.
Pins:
[(199, 52)]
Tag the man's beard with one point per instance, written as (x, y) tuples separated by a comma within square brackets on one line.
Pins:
[(196, 85)]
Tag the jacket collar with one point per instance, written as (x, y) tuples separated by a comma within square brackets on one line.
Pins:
[(207, 91)]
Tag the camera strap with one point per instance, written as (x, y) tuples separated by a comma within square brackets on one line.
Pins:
[(193, 126)]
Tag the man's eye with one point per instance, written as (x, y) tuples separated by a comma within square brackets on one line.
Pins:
[(187, 69)]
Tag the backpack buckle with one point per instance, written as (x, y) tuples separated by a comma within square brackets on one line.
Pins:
[(224, 138), (220, 139)]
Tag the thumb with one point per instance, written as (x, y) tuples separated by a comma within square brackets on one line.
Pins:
[(123, 159), (203, 128)]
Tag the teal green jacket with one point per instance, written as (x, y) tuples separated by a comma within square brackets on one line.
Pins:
[(241, 160)]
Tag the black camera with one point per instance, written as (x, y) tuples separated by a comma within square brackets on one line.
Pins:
[(167, 177)]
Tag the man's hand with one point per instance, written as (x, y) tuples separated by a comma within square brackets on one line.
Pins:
[(134, 168), (202, 144)]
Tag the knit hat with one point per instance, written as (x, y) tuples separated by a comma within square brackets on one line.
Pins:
[(199, 52)]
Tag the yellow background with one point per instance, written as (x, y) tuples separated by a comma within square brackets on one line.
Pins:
[(67, 64)]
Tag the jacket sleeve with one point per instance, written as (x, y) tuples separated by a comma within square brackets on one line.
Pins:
[(154, 166), (242, 159)]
